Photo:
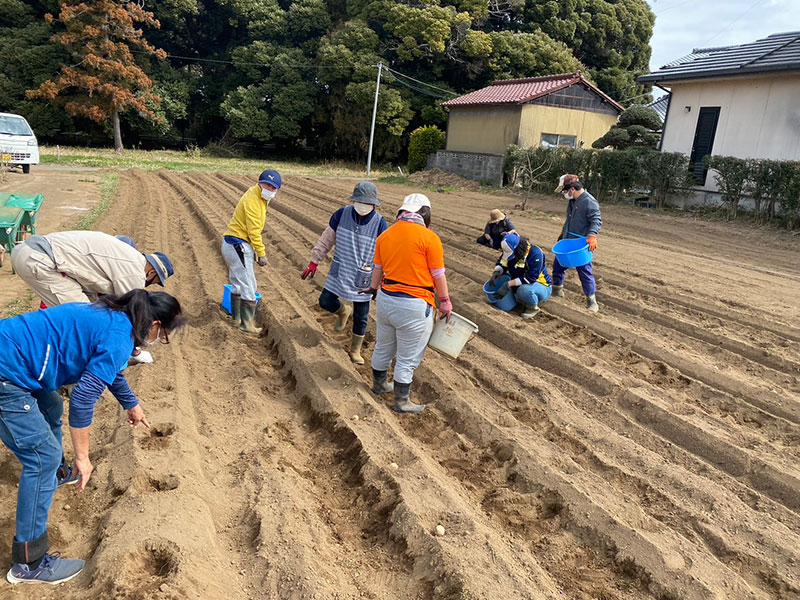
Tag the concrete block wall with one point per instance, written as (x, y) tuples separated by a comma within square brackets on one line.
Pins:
[(480, 167)]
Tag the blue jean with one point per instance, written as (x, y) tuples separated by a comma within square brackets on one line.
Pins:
[(532, 294), (584, 274), (27, 429), (330, 302)]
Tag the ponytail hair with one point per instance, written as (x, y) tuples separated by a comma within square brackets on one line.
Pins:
[(142, 308)]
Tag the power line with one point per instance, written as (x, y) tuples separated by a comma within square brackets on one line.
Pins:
[(752, 6), (415, 88), (418, 81)]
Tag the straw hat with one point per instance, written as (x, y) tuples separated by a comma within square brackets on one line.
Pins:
[(495, 216)]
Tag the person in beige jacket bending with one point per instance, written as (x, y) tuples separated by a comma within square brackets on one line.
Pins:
[(77, 266)]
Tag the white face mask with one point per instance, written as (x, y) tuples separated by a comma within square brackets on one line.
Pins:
[(267, 194), (566, 195), (148, 344), (362, 208)]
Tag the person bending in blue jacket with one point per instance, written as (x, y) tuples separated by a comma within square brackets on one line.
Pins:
[(524, 263), (75, 343), (583, 220)]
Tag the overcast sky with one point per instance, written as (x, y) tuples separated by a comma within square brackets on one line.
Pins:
[(682, 25)]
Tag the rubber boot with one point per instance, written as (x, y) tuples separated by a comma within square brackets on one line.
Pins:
[(558, 291), (401, 402), (591, 304), (236, 310), (344, 312), (355, 349), (248, 311), (381, 383), (531, 311)]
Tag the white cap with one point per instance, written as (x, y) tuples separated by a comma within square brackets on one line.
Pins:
[(413, 202)]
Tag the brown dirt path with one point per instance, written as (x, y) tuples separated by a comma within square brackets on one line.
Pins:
[(649, 451)]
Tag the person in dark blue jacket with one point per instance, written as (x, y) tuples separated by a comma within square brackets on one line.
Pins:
[(74, 343), (524, 263), (583, 220), (496, 229)]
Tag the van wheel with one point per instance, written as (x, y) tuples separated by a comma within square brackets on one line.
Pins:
[(26, 169)]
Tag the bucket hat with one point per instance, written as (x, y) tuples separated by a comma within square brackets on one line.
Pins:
[(162, 264), (366, 193), (495, 216)]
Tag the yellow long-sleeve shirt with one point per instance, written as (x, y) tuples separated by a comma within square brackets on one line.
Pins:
[(248, 219)]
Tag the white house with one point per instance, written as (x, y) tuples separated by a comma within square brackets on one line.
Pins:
[(741, 101)]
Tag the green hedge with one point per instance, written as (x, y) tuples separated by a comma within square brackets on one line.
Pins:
[(610, 173), (768, 182), (607, 173), (424, 141)]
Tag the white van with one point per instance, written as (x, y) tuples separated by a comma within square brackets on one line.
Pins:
[(18, 145)]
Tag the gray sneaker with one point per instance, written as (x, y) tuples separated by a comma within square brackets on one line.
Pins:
[(53, 570)]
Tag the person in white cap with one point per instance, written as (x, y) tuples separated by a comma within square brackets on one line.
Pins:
[(352, 230), (409, 272)]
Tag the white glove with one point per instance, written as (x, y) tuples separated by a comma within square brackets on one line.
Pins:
[(142, 358)]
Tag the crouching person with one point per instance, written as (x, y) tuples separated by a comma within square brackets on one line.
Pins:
[(83, 344), (409, 273), (353, 231), (524, 263), (496, 229)]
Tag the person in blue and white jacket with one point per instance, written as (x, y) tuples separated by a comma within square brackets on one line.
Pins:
[(75, 343), (353, 231), (524, 263)]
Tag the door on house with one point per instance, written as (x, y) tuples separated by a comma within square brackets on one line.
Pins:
[(703, 141)]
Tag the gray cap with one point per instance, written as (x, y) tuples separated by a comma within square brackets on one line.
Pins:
[(365, 192)]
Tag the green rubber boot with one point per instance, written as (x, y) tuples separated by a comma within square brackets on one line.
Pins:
[(236, 310), (558, 291), (248, 312), (344, 312)]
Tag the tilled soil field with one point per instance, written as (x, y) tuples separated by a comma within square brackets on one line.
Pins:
[(650, 451)]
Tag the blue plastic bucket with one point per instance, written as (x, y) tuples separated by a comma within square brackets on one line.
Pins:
[(226, 297), (505, 303), (572, 252)]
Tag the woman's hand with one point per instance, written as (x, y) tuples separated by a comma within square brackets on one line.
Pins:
[(445, 308), (136, 416), (84, 467)]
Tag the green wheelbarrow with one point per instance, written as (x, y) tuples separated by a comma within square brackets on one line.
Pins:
[(10, 221), (30, 203)]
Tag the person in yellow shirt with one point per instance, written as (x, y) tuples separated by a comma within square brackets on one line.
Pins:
[(409, 270), (242, 246)]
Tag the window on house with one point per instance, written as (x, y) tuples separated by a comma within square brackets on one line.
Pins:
[(704, 134), (552, 140)]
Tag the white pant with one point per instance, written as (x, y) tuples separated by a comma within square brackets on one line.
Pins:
[(240, 260), (404, 327)]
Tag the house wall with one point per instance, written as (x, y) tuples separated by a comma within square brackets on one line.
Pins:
[(482, 129), (584, 125), (759, 117)]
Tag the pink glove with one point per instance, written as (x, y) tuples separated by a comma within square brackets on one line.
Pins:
[(445, 307)]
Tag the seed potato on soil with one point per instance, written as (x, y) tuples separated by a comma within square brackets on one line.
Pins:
[(649, 451)]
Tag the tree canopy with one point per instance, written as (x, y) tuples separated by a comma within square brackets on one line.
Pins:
[(301, 74), (638, 126)]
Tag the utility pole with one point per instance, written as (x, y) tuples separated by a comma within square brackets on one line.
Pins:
[(374, 114)]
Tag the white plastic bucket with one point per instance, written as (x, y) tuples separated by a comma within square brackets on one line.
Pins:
[(450, 337)]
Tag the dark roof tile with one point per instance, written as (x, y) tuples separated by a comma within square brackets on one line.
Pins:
[(777, 52)]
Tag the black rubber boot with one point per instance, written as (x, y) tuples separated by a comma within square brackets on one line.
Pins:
[(381, 383), (401, 402)]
